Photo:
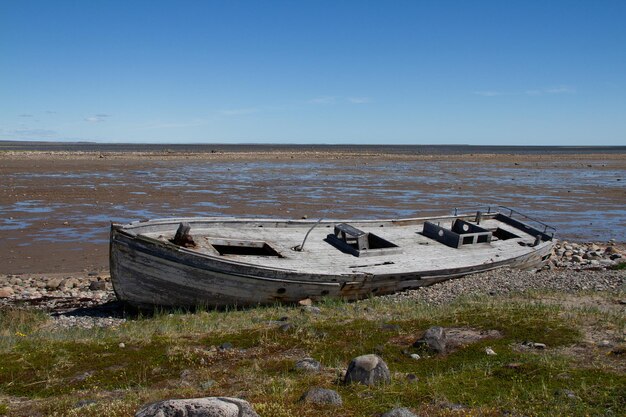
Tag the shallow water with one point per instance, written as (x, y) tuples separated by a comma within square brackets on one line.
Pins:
[(558, 195)]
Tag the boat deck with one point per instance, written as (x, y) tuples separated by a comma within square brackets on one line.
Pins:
[(415, 252)]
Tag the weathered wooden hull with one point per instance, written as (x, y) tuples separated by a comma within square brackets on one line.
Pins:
[(149, 272)]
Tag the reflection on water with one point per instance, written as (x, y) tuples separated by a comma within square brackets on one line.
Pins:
[(32, 206), (561, 196), (12, 224)]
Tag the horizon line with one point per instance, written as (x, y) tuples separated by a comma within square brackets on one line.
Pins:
[(68, 142)]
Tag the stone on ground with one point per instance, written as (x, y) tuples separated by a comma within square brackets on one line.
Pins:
[(434, 339), (321, 396), (368, 370), (199, 407), (399, 412), (6, 292), (306, 302), (97, 286), (310, 309), (308, 365)]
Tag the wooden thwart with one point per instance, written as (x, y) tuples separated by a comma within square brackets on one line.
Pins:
[(461, 233), (349, 239)]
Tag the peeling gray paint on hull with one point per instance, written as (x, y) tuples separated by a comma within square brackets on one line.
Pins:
[(147, 270)]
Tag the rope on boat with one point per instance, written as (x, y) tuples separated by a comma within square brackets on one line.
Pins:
[(300, 247)]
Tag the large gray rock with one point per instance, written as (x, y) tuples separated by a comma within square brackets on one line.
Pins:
[(399, 412), (434, 339), (199, 407), (308, 365), (321, 396), (368, 370)]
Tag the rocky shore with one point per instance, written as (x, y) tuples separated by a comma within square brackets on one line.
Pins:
[(72, 300), (586, 255), (87, 299)]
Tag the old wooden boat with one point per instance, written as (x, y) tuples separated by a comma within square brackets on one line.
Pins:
[(218, 261)]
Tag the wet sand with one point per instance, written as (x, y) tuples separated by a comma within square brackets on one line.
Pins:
[(55, 207)]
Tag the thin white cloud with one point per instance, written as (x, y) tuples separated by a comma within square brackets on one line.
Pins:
[(239, 112), (552, 90), (26, 133), (488, 93), (359, 100), (97, 118), (323, 100), (533, 92), (561, 90)]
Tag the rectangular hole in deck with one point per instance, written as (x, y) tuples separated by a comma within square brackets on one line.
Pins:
[(482, 238), (468, 240), (504, 234), (262, 249)]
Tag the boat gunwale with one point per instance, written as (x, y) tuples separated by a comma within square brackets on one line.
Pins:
[(127, 229), (173, 248), (296, 222)]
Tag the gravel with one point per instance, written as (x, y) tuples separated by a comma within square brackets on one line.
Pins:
[(506, 281)]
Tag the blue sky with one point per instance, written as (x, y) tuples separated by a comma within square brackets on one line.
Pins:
[(406, 72)]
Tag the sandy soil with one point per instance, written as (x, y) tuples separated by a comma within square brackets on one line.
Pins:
[(55, 207)]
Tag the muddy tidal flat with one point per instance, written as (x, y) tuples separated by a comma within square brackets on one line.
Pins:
[(56, 206)]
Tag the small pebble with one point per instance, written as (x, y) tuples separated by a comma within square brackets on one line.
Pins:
[(412, 377)]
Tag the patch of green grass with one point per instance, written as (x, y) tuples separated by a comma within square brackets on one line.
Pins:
[(17, 323), (36, 369), (57, 366), (518, 321)]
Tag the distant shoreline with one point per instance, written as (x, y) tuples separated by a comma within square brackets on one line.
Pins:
[(459, 149), (355, 156)]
